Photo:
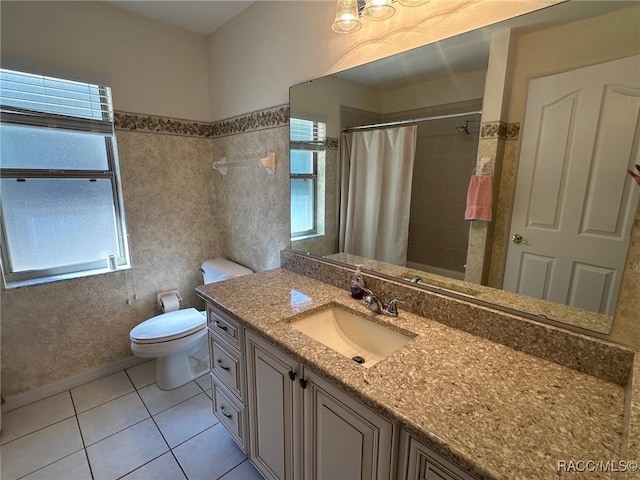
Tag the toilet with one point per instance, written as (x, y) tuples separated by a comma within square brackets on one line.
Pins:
[(178, 339)]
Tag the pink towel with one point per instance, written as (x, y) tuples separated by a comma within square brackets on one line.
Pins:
[(479, 198)]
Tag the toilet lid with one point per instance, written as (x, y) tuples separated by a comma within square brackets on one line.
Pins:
[(169, 326)]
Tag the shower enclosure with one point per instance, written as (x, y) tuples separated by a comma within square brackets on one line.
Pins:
[(445, 157)]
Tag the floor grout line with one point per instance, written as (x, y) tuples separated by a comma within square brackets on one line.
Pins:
[(170, 449)]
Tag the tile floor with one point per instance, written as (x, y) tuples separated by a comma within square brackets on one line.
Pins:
[(122, 427)]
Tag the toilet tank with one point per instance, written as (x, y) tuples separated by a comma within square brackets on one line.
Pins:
[(219, 269)]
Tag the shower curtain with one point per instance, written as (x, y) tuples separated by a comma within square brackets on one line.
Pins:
[(376, 174)]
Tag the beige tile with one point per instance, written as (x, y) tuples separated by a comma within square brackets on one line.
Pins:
[(244, 471), (35, 416), (125, 451), (158, 400), (186, 419), (73, 467), (111, 417), (39, 449), (164, 467), (143, 374), (101, 391), (210, 454)]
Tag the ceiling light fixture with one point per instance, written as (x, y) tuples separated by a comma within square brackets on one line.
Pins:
[(349, 12)]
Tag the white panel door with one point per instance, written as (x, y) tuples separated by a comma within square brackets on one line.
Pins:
[(574, 203)]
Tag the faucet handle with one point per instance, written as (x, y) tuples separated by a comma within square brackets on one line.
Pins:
[(372, 302), (392, 309)]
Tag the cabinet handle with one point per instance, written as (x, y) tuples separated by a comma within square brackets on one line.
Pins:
[(219, 360), (292, 375), (220, 326), (225, 413), (303, 383)]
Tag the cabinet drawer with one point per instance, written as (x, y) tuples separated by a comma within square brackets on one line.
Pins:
[(227, 366), (230, 413), (421, 463), (224, 327)]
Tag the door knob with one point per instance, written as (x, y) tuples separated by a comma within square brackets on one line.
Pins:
[(517, 238)]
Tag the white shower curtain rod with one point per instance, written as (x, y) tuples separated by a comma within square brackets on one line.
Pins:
[(413, 120)]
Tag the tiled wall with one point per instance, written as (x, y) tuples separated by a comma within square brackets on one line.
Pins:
[(57, 330), (251, 207), (179, 213)]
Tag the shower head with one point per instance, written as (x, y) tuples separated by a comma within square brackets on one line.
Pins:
[(464, 128)]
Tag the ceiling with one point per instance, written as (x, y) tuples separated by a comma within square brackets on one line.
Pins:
[(201, 17), (463, 53)]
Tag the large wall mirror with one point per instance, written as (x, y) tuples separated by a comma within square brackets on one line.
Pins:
[(545, 106)]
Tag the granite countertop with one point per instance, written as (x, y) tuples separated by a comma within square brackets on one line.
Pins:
[(495, 411)]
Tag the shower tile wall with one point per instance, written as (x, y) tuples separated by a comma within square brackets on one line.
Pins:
[(445, 158)]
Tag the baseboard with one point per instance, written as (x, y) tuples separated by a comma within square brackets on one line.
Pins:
[(22, 399)]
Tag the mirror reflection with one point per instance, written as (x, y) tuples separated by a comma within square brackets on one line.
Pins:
[(491, 164)]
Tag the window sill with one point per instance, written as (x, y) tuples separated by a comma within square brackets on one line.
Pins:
[(64, 276), (306, 237)]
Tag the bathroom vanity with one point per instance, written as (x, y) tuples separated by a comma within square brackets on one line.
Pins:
[(445, 404)]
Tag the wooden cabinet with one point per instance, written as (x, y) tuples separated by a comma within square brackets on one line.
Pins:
[(418, 462), (303, 427), (274, 404), (226, 357), (294, 424), (342, 438)]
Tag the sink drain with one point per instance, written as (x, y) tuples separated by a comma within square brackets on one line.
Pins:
[(358, 359)]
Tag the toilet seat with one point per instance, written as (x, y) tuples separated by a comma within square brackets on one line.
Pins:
[(169, 326)]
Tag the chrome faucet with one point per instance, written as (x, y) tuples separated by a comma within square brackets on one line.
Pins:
[(373, 303)]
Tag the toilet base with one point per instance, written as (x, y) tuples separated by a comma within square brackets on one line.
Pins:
[(176, 370)]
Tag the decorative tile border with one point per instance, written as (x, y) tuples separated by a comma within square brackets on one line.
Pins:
[(259, 120), (155, 124), (505, 131), (332, 143)]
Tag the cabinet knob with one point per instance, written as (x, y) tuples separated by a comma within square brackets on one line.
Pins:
[(292, 375), (303, 383), (225, 413)]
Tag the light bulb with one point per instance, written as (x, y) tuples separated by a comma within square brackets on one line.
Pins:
[(378, 10), (347, 20)]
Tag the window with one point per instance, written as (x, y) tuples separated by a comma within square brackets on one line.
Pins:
[(62, 210), (307, 153)]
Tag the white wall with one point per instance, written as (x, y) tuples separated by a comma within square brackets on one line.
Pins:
[(462, 87), (321, 100), (153, 68), (257, 56), (577, 44)]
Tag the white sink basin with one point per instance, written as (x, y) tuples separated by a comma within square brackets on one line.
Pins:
[(352, 335)]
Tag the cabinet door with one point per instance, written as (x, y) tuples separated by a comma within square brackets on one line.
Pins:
[(273, 402), (342, 438)]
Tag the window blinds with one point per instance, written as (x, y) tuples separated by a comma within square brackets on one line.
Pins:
[(56, 103)]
